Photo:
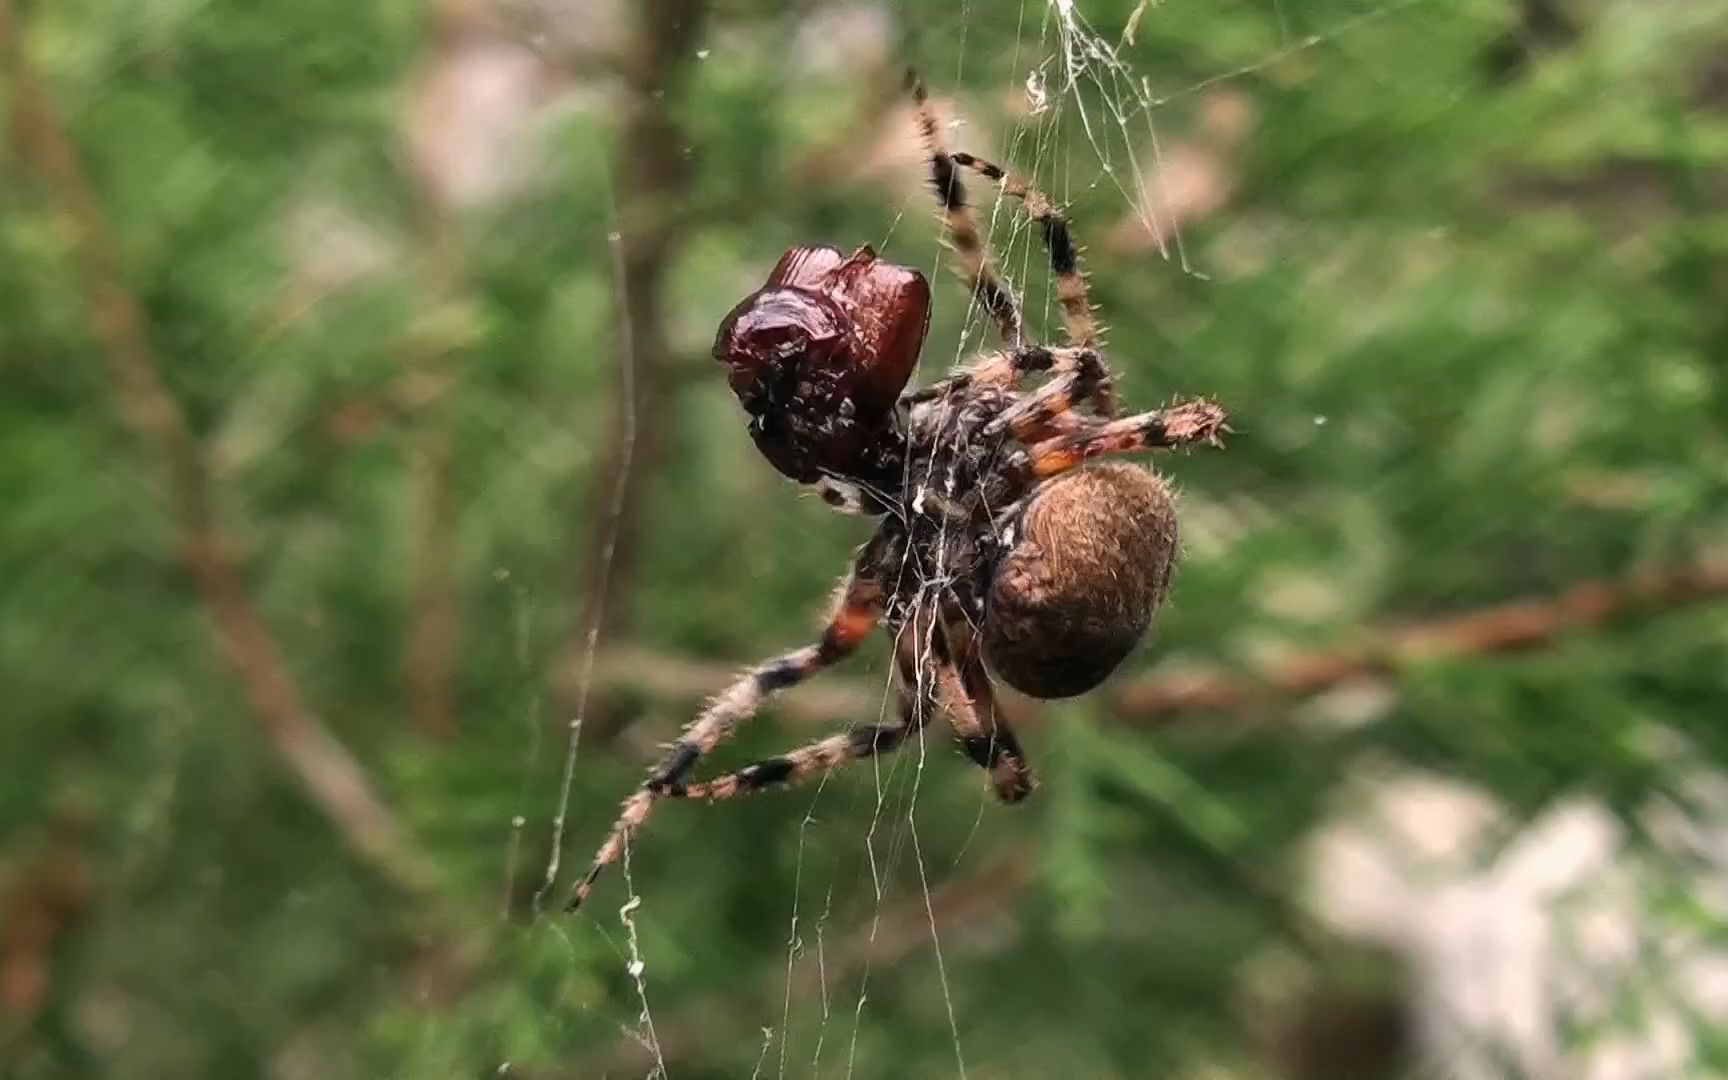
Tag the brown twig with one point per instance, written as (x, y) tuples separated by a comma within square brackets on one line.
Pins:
[(328, 774), (429, 659), (1514, 626), (651, 178), (46, 894)]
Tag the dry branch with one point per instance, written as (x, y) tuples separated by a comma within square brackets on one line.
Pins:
[(1514, 626), (329, 775), (429, 659), (46, 894), (651, 179)]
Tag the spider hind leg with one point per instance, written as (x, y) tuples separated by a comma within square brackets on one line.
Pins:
[(861, 604), (994, 294), (823, 755), (985, 736), (961, 685), (857, 744)]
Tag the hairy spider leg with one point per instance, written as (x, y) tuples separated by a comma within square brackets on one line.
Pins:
[(1045, 413), (1060, 423), (983, 732), (963, 690), (1040, 411), (1072, 292), (1180, 425), (860, 607), (855, 744), (1004, 370), (986, 283)]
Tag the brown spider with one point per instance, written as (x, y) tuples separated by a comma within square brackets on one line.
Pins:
[(996, 551)]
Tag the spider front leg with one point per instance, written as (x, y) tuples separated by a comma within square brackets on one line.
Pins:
[(1005, 370), (993, 293), (862, 599), (1071, 289), (1180, 425)]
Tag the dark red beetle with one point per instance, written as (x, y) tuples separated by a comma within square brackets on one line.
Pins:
[(818, 357)]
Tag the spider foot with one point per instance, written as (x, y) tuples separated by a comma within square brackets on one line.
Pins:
[(1201, 421), (1013, 783), (1198, 421)]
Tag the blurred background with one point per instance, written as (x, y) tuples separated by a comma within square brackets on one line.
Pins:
[(373, 511)]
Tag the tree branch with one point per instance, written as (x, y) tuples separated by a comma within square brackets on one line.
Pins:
[(1514, 626), (46, 893), (328, 774), (652, 180)]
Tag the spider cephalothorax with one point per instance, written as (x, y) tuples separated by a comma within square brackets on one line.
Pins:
[(1002, 548)]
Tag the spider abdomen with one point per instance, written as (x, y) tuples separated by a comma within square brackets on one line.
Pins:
[(1089, 565)]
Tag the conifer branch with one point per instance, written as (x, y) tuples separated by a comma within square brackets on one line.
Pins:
[(325, 770), (651, 179), (1510, 627)]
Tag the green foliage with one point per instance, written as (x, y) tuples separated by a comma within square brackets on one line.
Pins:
[(1469, 328)]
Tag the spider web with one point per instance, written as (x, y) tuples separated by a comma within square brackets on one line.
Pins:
[(1073, 79)]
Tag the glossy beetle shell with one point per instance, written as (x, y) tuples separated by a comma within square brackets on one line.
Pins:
[(818, 357)]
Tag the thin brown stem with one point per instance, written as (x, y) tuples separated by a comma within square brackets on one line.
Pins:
[(429, 658), (651, 178), (49, 889), (1514, 626)]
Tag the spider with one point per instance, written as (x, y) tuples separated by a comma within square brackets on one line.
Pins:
[(1002, 548)]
